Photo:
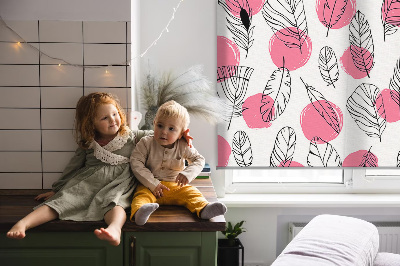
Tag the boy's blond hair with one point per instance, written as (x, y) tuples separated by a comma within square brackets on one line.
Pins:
[(175, 110)]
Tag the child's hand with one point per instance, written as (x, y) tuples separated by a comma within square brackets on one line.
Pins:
[(45, 196), (158, 191), (181, 180), (187, 137)]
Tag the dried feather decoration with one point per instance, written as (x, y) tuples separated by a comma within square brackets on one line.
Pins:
[(191, 89)]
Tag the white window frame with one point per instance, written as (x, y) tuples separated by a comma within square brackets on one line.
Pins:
[(354, 181), (375, 184)]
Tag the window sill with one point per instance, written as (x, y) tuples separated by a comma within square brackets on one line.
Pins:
[(311, 200)]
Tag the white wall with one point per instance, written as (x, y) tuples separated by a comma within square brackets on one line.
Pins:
[(192, 40), (71, 10)]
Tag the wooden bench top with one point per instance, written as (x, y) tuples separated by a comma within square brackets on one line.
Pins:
[(15, 204)]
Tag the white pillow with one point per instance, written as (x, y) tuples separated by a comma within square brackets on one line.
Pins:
[(333, 240)]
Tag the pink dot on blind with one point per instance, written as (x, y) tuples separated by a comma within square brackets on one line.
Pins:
[(224, 151), (314, 125), (344, 19), (392, 14), (227, 52), (391, 108), (354, 159), (348, 65), (290, 164), (251, 112), (287, 50)]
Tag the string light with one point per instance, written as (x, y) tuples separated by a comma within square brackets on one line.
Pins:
[(84, 66), (164, 30)]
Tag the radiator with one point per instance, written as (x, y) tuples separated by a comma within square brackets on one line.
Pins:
[(389, 235)]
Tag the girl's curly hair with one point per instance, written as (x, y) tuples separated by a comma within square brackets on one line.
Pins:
[(86, 108)]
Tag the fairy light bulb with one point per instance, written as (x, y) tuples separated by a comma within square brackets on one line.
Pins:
[(175, 9)]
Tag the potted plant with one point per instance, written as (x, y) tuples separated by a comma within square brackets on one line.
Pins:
[(228, 249)]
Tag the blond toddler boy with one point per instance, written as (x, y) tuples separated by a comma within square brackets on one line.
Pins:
[(158, 162)]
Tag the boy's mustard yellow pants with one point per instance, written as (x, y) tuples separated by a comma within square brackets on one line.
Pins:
[(187, 196)]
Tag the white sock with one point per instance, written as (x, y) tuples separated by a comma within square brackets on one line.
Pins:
[(213, 209), (144, 212)]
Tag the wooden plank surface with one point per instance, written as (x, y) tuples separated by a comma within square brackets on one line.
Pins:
[(15, 204)]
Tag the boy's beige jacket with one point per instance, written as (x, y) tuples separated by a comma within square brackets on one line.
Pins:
[(152, 163)]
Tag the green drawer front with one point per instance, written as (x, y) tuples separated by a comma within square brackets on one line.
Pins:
[(61, 249), (170, 248)]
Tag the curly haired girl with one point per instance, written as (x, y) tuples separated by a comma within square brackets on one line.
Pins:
[(97, 183)]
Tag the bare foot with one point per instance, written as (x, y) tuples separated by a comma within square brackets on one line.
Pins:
[(110, 234), (17, 231)]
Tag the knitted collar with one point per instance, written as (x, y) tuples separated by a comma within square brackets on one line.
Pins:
[(105, 153)]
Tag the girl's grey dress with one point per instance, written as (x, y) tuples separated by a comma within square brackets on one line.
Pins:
[(96, 180)]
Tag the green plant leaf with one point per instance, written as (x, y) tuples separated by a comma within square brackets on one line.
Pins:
[(232, 232)]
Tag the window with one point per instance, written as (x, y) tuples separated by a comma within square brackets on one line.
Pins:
[(288, 176), (376, 180), (382, 173), (312, 180)]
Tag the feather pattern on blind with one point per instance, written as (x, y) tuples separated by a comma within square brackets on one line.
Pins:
[(361, 43), (241, 148), (241, 28), (322, 155), (323, 107), (394, 84), (366, 107), (234, 81), (289, 17), (276, 95), (284, 147), (369, 159), (398, 160), (390, 16), (332, 12), (328, 65)]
